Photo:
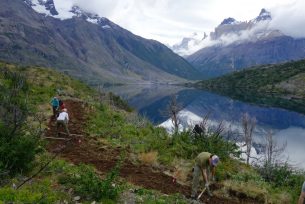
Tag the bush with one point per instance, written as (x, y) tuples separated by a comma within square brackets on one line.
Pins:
[(17, 148), (87, 184), (187, 147), (17, 154), (41, 192), (118, 102), (283, 176)]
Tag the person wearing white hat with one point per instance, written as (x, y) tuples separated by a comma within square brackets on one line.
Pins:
[(63, 120), (205, 164)]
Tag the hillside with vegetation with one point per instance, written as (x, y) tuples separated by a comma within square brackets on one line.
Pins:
[(280, 85), (113, 155)]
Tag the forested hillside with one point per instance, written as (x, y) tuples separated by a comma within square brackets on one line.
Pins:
[(279, 85)]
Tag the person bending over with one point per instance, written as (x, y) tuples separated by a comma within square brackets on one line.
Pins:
[(205, 164)]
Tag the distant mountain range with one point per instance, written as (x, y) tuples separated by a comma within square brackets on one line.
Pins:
[(235, 45), (84, 45)]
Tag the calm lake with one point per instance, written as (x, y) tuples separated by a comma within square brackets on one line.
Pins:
[(152, 100)]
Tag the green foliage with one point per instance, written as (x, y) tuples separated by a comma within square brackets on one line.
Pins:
[(17, 148), (259, 85), (216, 144), (118, 102), (184, 146), (88, 184), (246, 176), (257, 77), (17, 153), (151, 197), (283, 176), (146, 138), (230, 167), (39, 192), (114, 125)]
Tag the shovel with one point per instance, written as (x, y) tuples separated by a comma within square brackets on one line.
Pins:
[(199, 196)]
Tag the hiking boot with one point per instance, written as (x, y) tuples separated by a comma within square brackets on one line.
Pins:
[(209, 193), (193, 197)]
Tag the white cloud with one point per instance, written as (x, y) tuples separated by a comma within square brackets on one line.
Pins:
[(170, 20), (63, 7), (290, 19)]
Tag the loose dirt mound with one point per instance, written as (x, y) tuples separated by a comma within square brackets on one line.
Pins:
[(84, 150)]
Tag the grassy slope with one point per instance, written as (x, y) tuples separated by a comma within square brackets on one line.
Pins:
[(119, 128), (275, 85)]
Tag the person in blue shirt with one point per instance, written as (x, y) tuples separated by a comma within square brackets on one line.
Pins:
[(55, 105)]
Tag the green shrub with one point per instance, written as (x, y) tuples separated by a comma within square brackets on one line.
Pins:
[(283, 176), (41, 192), (18, 153), (87, 184), (17, 148), (185, 146), (118, 102)]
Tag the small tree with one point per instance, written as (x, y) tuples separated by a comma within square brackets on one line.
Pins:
[(172, 111), (272, 153), (248, 126)]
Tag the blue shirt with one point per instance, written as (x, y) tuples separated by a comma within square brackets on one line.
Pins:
[(55, 102)]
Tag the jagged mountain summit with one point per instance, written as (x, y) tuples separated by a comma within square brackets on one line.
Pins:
[(84, 45), (43, 6), (235, 45), (228, 31)]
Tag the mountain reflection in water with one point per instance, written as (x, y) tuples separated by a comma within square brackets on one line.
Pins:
[(151, 101)]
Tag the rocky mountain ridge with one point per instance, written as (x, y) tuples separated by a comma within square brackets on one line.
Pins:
[(225, 30), (84, 45)]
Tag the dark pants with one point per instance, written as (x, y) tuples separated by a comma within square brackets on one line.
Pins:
[(55, 110), (196, 175), (195, 183), (63, 124)]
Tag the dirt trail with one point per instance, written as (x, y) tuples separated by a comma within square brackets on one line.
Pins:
[(82, 150)]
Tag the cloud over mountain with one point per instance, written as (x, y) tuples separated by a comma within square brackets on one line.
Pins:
[(290, 19)]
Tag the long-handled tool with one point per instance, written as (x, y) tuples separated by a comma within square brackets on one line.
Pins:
[(199, 196)]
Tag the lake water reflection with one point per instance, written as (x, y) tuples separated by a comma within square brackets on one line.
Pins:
[(151, 101)]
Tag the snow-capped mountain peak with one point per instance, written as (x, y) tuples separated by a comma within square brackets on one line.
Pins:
[(48, 8), (264, 15), (43, 6), (229, 21)]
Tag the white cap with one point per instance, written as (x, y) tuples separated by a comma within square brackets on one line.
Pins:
[(215, 160)]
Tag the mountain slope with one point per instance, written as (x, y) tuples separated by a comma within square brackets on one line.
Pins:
[(236, 45), (217, 60), (85, 45)]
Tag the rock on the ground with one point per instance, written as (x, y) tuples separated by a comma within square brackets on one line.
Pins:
[(76, 198)]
